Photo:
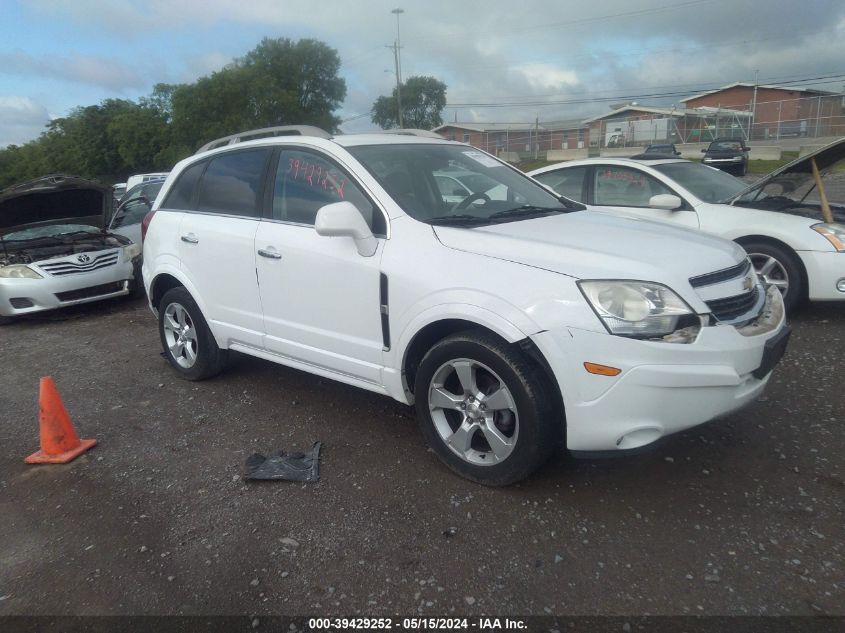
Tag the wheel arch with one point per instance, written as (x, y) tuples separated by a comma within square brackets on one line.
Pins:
[(437, 330), (775, 242), (160, 285)]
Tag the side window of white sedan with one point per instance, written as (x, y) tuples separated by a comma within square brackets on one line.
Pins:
[(625, 187), (568, 182)]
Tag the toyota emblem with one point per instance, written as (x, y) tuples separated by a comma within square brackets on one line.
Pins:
[(83, 259)]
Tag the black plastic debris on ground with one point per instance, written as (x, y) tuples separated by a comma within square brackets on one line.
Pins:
[(285, 466)]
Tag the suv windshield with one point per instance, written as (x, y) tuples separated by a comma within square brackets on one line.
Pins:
[(705, 183), (414, 176), (725, 146)]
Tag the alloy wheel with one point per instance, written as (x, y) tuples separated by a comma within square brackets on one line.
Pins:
[(473, 412), (771, 271), (181, 335)]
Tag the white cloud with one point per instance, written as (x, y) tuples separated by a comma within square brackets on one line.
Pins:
[(547, 76), (22, 119), (88, 69)]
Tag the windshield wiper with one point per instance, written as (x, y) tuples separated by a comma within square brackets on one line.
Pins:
[(525, 211), (461, 219)]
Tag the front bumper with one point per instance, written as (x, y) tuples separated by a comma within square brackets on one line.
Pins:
[(663, 387), (26, 296), (825, 274), (737, 160)]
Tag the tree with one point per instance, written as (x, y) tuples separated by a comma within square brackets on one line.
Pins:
[(423, 100), (280, 82)]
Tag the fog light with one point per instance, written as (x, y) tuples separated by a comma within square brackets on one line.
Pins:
[(840, 285)]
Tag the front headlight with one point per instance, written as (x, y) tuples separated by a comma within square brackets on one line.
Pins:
[(835, 234), (640, 309), (18, 271), (132, 251)]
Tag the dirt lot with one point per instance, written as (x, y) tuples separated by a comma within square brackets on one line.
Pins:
[(741, 516)]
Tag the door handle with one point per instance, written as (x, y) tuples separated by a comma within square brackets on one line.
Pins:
[(269, 254), (190, 238)]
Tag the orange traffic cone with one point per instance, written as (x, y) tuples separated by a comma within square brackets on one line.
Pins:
[(59, 441)]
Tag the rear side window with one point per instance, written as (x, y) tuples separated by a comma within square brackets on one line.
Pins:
[(567, 182), (232, 184), (625, 187), (306, 181), (181, 194)]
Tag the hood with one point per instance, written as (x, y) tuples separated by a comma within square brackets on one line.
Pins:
[(797, 175), (597, 245), (54, 200)]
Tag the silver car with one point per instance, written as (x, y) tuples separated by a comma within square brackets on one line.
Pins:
[(54, 249)]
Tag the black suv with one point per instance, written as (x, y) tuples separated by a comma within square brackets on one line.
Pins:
[(727, 154)]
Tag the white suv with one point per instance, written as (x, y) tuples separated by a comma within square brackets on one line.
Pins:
[(513, 324)]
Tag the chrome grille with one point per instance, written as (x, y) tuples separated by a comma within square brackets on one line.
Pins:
[(709, 279), (732, 307), (72, 266)]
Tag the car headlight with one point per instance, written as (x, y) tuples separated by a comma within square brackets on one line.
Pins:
[(639, 309), (835, 234), (132, 251), (18, 271)]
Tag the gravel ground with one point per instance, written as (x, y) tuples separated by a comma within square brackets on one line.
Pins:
[(741, 516)]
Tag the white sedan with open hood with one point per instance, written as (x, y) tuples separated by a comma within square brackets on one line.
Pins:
[(794, 243), (54, 250)]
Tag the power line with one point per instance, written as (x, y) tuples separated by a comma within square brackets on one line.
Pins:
[(534, 101)]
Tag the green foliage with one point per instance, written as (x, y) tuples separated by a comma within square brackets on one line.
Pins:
[(280, 82), (423, 100)]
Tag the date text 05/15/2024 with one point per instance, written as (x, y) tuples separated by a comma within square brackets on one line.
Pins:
[(417, 624)]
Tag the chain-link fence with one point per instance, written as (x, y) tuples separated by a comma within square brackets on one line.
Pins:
[(769, 122)]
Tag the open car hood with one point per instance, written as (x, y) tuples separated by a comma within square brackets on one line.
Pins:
[(799, 172), (54, 200)]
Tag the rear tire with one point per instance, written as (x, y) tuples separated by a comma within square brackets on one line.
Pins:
[(485, 408), (779, 267), (186, 339)]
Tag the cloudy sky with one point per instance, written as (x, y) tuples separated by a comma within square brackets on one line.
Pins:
[(503, 61)]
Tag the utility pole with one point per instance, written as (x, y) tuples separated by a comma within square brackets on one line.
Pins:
[(397, 58), (753, 105)]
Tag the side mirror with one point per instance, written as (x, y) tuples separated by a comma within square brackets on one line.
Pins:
[(342, 219), (665, 201), (704, 151)]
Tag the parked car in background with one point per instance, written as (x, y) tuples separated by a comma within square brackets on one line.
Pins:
[(118, 189), (54, 249), (456, 185), (727, 154), (138, 179), (514, 324), (131, 211), (667, 149), (778, 220)]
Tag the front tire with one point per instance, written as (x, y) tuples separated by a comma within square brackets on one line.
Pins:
[(186, 339), (780, 268), (485, 408)]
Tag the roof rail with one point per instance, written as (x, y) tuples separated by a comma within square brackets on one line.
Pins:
[(278, 130), (408, 131)]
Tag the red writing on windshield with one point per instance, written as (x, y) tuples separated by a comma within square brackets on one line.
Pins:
[(315, 175)]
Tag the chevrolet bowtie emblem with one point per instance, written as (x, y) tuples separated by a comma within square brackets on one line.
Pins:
[(748, 283)]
